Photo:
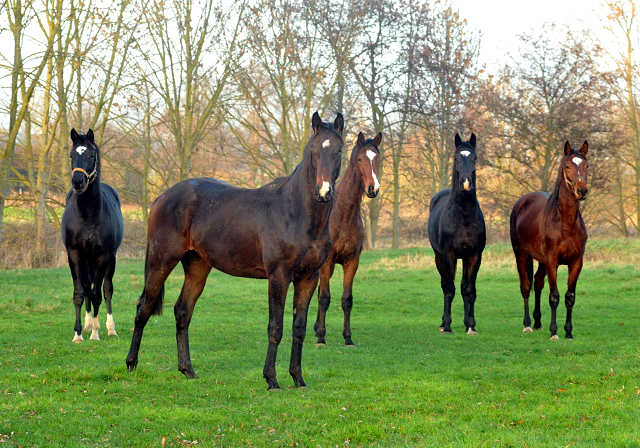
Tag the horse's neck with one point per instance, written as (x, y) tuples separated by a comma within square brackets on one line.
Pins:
[(464, 200), (301, 190), (349, 195), (568, 206), (90, 202)]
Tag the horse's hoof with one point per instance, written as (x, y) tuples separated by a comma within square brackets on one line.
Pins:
[(77, 338), (537, 328), (273, 389), (554, 337), (320, 344), (527, 330), (441, 329), (471, 332), (94, 336), (350, 344), (132, 364), (111, 326), (447, 332), (569, 337), (112, 333)]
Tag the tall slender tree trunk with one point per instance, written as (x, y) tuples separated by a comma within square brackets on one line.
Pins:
[(621, 215)]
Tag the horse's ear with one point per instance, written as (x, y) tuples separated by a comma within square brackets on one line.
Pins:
[(472, 140), (316, 122), (339, 123), (567, 148), (458, 140), (584, 148), (378, 139), (360, 139), (90, 135), (74, 135)]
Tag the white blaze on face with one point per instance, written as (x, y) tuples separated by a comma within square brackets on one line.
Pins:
[(465, 185), (371, 156), (465, 153), (326, 143), (81, 149), (577, 160), (325, 188)]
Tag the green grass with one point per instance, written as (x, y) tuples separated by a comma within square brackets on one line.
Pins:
[(404, 384)]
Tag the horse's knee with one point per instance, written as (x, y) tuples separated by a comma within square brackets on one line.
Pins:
[(324, 299), (347, 302), (570, 299), (275, 333), (554, 299)]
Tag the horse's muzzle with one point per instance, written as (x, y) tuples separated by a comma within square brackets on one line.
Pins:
[(324, 193), (581, 193), (372, 192), (79, 182)]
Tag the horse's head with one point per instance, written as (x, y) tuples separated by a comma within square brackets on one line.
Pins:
[(574, 170), (85, 160), (326, 154), (366, 157), (464, 161)]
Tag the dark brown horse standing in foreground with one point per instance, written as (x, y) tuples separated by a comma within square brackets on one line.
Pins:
[(278, 232), (550, 229), (457, 231), (92, 230), (347, 229)]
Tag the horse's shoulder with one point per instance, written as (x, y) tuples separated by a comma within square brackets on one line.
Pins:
[(439, 197)]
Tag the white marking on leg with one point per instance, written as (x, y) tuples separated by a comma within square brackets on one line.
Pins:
[(111, 326), (465, 153), (326, 143), (471, 332), (81, 149), (88, 321), (77, 338), (527, 330), (94, 329), (372, 155), (577, 160), (554, 337), (325, 188)]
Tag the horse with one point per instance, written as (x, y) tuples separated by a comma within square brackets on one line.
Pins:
[(279, 232), (549, 228), (91, 229), (457, 231), (347, 230)]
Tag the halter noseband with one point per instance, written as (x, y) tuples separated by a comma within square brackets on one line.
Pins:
[(571, 184), (90, 177)]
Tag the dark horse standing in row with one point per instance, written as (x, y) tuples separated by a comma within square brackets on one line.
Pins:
[(456, 230), (278, 232), (550, 229), (347, 229), (91, 232)]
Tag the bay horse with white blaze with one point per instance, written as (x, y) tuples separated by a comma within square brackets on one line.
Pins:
[(92, 231), (347, 230), (278, 232), (457, 231), (549, 229)]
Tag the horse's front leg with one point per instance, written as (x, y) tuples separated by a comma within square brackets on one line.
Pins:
[(538, 286), (96, 294), (470, 267), (195, 278), (447, 278), (278, 286), (554, 295), (524, 264), (350, 268), (324, 299), (80, 280), (570, 296), (302, 294)]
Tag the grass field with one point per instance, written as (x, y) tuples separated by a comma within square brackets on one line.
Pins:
[(404, 384)]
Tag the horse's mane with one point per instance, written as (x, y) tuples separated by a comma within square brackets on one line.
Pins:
[(552, 202)]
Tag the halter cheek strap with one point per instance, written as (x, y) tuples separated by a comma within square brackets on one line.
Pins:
[(572, 184)]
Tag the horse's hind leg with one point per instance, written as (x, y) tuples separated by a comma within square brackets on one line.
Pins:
[(96, 294), (156, 274), (537, 288), (570, 296), (554, 296), (195, 277), (440, 266), (524, 264), (303, 292), (108, 294), (470, 267), (350, 267), (324, 300)]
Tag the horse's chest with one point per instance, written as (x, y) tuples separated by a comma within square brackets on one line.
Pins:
[(314, 256)]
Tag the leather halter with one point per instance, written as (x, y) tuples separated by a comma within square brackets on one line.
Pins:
[(571, 184), (90, 177)]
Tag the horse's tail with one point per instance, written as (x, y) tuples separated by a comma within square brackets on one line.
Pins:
[(159, 300)]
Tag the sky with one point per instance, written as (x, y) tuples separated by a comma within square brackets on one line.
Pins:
[(501, 20)]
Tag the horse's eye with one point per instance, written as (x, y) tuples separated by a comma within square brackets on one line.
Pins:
[(359, 159), (339, 150), (566, 166)]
